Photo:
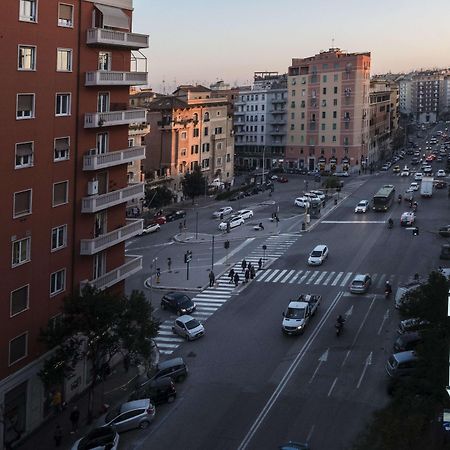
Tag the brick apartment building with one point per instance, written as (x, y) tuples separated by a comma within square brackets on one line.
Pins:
[(328, 111), (65, 90)]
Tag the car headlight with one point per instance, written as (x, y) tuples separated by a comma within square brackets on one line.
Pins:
[(300, 327), (183, 310)]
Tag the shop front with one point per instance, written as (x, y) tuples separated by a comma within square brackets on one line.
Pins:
[(333, 162), (321, 163), (345, 164)]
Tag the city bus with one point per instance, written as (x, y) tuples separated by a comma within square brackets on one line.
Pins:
[(383, 199)]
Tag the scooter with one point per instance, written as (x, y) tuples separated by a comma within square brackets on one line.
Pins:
[(339, 328), (390, 224)]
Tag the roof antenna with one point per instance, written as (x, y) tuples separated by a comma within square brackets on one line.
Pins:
[(332, 42)]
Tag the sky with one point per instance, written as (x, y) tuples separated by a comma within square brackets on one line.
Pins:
[(199, 41)]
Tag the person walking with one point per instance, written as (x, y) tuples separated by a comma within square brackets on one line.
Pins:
[(74, 419), (236, 279), (252, 272), (212, 278), (247, 275), (57, 436), (57, 401), (244, 264), (260, 264), (231, 275), (169, 264)]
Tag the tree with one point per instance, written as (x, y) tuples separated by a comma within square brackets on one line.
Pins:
[(97, 325), (158, 197), (398, 138), (194, 183)]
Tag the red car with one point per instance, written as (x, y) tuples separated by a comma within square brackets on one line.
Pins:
[(282, 180), (160, 219)]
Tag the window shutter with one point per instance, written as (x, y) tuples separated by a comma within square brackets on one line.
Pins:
[(22, 202), (65, 12), (62, 144), (59, 193), (25, 149), (25, 103)]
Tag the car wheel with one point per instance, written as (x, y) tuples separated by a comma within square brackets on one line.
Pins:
[(145, 424), (178, 313), (187, 337), (173, 330), (163, 306), (181, 378)]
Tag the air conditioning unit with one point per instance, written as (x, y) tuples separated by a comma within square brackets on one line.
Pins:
[(93, 187)]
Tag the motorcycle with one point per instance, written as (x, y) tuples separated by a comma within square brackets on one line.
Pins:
[(339, 328), (387, 291), (399, 199), (390, 224)]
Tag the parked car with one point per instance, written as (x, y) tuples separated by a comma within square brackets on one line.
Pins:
[(282, 179), (441, 173), (294, 446), (102, 438), (396, 169), (414, 324), (188, 327), (414, 186), (160, 219), (407, 341), (151, 228), (318, 255), (445, 251), (445, 231), (129, 415), (222, 212), (401, 364), (237, 196), (175, 215), (340, 174), (407, 219), (245, 213), (405, 172), (313, 199), (360, 283), (233, 222), (178, 302), (161, 390), (319, 194), (362, 206), (174, 368), (302, 202), (440, 184)]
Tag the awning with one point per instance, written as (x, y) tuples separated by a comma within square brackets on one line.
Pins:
[(114, 17)]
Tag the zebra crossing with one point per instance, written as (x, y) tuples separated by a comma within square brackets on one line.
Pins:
[(212, 298), (317, 277)]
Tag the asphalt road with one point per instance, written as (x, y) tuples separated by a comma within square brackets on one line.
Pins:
[(251, 387)]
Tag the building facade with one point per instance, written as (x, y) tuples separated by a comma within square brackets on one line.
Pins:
[(65, 86), (260, 122), (328, 111)]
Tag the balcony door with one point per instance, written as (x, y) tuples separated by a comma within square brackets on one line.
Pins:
[(100, 224), (104, 61), (99, 265), (102, 143), (102, 178), (103, 102)]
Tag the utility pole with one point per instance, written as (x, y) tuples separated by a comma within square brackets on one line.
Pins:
[(212, 254)]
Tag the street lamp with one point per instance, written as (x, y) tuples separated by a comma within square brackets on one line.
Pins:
[(152, 265)]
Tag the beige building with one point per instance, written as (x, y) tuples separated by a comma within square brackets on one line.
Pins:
[(328, 111), (188, 129)]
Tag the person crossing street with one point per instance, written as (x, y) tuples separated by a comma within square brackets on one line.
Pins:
[(212, 279)]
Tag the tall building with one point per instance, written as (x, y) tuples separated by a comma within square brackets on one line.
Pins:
[(66, 75), (260, 122), (188, 129), (328, 111)]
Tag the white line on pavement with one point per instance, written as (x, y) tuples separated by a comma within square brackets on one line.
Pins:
[(234, 251), (332, 387)]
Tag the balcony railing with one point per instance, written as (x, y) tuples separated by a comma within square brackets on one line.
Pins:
[(96, 203), (115, 78), (132, 265), (107, 119), (100, 243), (100, 36), (278, 111), (93, 161)]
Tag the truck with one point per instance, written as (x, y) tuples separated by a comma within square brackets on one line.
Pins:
[(299, 312), (426, 187)]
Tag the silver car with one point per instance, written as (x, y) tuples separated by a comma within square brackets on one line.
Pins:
[(222, 212), (102, 438), (188, 327)]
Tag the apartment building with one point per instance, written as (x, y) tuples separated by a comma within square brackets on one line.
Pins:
[(188, 129), (260, 122), (328, 111), (65, 86)]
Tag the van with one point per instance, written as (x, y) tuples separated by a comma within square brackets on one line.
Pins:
[(401, 364), (402, 291)]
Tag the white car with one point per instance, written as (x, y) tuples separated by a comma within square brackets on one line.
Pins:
[(441, 173), (428, 170), (319, 194), (318, 255), (341, 174), (224, 211), (302, 202), (414, 186), (152, 228), (188, 327), (362, 206), (418, 176), (234, 222), (405, 172), (245, 213)]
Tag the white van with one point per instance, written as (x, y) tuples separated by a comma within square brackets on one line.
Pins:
[(400, 295)]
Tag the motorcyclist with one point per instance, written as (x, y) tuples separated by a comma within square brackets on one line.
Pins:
[(390, 222), (261, 227), (340, 321), (388, 287), (399, 198)]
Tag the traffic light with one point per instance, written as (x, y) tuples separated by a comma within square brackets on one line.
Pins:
[(416, 231), (188, 256), (226, 244)]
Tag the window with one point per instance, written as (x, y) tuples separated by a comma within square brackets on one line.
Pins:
[(196, 132), (219, 146), (102, 143), (205, 163), (62, 146), (324, 78), (293, 92), (292, 126), (336, 77), (302, 127), (19, 300), (183, 135), (60, 193), (228, 157), (292, 104), (21, 251), (335, 102), (99, 267), (324, 91), (103, 102), (206, 131), (334, 126), (334, 114), (65, 15), (334, 138), (26, 57), (205, 147), (57, 282), (22, 203), (28, 10), (335, 90), (24, 155), (63, 60), (18, 348), (59, 237), (324, 115), (62, 105), (183, 152), (323, 127), (218, 130), (104, 61), (219, 161), (25, 106), (322, 138)]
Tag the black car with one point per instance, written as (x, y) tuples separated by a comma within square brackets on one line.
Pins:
[(445, 231), (159, 390), (174, 215), (178, 303), (407, 341), (174, 368)]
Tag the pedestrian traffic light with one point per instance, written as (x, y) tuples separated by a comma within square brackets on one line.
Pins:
[(226, 244), (416, 231), (188, 256)]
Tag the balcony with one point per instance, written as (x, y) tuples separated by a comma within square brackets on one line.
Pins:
[(278, 122), (95, 203), (115, 78), (132, 265), (125, 39), (277, 133), (111, 118), (278, 100), (100, 243), (239, 113), (93, 161), (278, 111)]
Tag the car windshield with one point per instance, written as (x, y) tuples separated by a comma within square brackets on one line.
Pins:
[(112, 414), (192, 324), (357, 283), (185, 303), (295, 313), (316, 254), (362, 204)]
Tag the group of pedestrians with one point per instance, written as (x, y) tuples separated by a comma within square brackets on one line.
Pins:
[(249, 272)]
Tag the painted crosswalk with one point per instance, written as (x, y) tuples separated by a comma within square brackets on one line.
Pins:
[(212, 299), (318, 277)]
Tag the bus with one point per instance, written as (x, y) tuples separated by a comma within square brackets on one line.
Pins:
[(383, 199)]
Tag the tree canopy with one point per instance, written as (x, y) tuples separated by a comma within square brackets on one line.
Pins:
[(158, 197), (194, 183)]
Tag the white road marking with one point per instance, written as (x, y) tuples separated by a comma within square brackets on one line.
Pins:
[(335, 281), (272, 275), (234, 251), (295, 276), (287, 276), (344, 281), (332, 387), (279, 275), (325, 283), (366, 364), (319, 279)]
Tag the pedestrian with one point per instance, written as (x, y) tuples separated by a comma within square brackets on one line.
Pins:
[(231, 275), (212, 278), (252, 272), (74, 419), (169, 264), (126, 362), (184, 223), (247, 275), (260, 264), (236, 279), (57, 435), (244, 264), (57, 401)]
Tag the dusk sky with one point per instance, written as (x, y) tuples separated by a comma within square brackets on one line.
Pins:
[(204, 41)]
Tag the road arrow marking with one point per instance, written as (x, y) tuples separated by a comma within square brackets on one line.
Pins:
[(348, 313), (322, 359), (366, 364), (385, 317)]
